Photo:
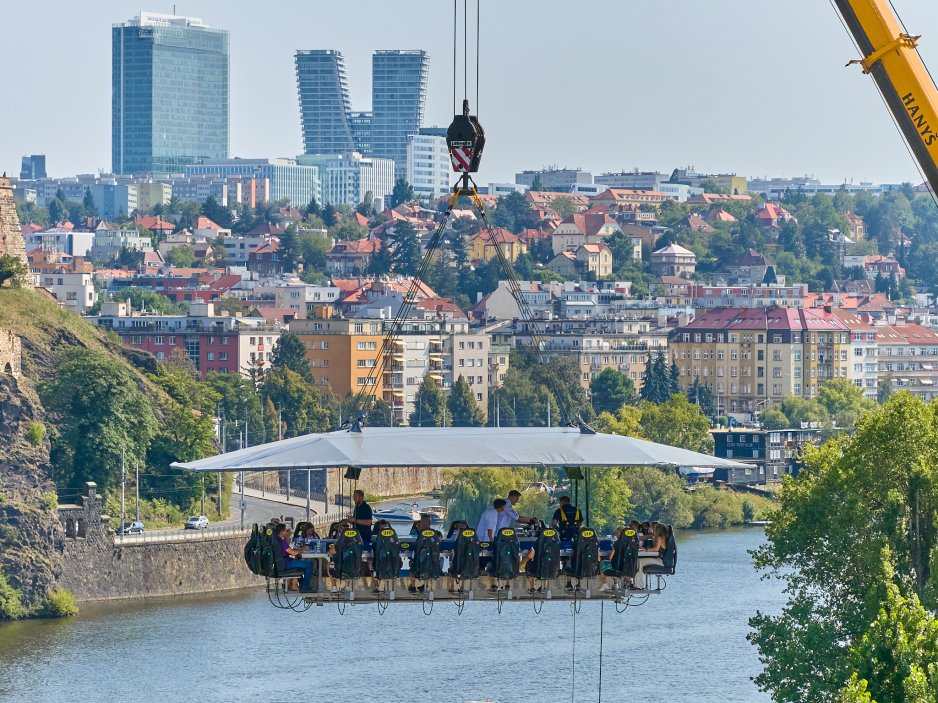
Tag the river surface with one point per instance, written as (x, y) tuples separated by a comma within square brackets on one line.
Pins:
[(688, 644)]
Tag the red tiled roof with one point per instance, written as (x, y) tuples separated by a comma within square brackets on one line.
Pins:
[(500, 235), (355, 246), (753, 258), (205, 223), (775, 318), (589, 223), (153, 222)]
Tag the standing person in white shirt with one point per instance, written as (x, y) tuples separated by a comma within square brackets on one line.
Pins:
[(510, 515), (487, 529), (489, 522)]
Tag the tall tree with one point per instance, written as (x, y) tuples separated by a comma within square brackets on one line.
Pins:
[(610, 390), (379, 414), (290, 353), (462, 406), (403, 192), (88, 203), (429, 405), (860, 522), (677, 423), (102, 416), (329, 217), (297, 400), (405, 249)]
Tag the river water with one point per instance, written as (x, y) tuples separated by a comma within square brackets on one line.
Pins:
[(688, 644)]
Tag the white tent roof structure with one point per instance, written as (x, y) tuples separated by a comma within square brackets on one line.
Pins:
[(455, 447)]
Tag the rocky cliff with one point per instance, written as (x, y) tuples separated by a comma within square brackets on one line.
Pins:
[(28, 517)]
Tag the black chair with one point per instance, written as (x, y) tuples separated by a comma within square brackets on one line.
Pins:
[(668, 564)]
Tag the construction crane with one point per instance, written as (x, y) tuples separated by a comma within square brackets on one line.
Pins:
[(891, 57)]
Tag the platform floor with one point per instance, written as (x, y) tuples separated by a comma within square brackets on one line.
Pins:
[(517, 592)]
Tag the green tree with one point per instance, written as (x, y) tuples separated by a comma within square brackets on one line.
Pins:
[(678, 423), (774, 419), (897, 657), (329, 216), (88, 203), (656, 386), (379, 415), (347, 228), (609, 498), (536, 185), (564, 206), (14, 270), (462, 406), (100, 415), (366, 208), (701, 395), (862, 501), (610, 390), (626, 422), (182, 255), (405, 249), (514, 212), (313, 209), (429, 405), (808, 410), (239, 402), (297, 400), (844, 401), (186, 432), (403, 192), (290, 353), (143, 299), (658, 495), (217, 213)]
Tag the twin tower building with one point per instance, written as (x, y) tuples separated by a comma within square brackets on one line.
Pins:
[(170, 106)]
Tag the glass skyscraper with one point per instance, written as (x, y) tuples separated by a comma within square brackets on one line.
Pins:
[(398, 96), (325, 108), (169, 93)]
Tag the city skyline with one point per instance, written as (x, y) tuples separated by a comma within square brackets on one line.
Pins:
[(739, 95)]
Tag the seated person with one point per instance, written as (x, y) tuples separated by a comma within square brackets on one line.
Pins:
[(415, 585), (659, 543), (289, 553)]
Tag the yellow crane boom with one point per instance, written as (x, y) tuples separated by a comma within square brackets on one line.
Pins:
[(891, 58)]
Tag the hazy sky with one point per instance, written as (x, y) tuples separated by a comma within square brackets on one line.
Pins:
[(755, 87)]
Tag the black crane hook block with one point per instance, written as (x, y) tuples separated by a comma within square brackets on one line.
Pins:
[(465, 140)]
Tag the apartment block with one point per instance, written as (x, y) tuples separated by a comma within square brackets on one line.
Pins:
[(343, 352), (753, 358), (212, 342)]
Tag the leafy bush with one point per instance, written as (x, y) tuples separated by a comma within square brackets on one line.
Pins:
[(59, 603), (49, 501), (35, 433), (11, 605)]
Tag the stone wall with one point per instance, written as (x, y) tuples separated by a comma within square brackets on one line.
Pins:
[(400, 481), (93, 570), (96, 567), (11, 237), (11, 354)]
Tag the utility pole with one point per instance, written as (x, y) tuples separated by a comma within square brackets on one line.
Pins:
[(548, 411), (498, 408), (123, 485), (309, 483), (138, 492), (242, 480)]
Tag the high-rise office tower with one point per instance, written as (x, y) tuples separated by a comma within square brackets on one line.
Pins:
[(33, 167), (325, 108), (170, 93), (398, 95)]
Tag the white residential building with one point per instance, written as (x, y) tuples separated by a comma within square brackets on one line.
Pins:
[(428, 164), (109, 241), (346, 178)]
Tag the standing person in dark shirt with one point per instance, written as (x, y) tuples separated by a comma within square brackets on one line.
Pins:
[(566, 519), (363, 516)]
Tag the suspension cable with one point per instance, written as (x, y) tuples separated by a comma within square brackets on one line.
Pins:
[(602, 606)]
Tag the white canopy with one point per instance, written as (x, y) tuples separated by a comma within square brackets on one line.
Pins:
[(454, 447)]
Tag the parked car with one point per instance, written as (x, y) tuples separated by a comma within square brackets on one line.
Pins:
[(131, 528), (196, 522)]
